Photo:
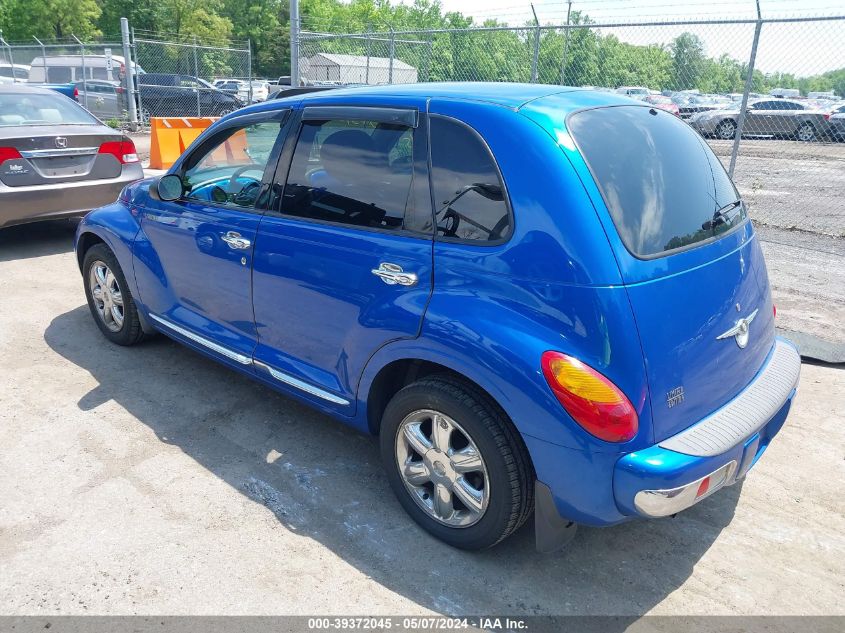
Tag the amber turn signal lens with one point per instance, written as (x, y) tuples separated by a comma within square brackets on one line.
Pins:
[(592, 400)]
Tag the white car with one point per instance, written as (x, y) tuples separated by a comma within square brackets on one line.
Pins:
[(240, 88), (260, 90), (13, 73)]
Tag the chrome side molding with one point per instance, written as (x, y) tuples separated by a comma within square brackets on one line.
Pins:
[(299, 384), (246, 360), (243, 359)]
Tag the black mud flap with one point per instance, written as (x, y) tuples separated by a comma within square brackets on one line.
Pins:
[(552, 532)]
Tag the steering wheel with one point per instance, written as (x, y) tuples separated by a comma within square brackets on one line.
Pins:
[(233, 179), (449, 224), (246, 194)]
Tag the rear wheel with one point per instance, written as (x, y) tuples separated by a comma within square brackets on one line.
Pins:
[(109, 299), (806, 132), (726, 129), (456, 463)]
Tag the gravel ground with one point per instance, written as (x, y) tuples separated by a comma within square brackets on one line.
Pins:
[(152, 480), (795, 196), (791, 185)]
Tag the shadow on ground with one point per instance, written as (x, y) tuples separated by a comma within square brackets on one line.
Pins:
[(324, 481), (37, 239)]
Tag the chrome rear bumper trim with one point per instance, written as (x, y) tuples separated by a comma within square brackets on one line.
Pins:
[(747, 413), (52, 153)]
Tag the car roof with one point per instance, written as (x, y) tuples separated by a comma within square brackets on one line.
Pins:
[(509, 95), (22, 88)]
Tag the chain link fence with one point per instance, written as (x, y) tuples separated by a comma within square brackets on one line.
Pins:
[(765, 94), (92, 72), (780, 82), (186, 78), (173, 77)]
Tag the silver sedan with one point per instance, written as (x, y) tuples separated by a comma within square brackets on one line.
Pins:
[(782, 118), (56, 159)]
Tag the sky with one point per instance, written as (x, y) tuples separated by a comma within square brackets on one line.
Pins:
[(799, 48)]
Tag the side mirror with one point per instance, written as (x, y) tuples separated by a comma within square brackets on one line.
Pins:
[(169, 187)]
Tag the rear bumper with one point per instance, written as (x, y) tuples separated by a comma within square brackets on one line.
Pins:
[(19, 205), (717, 451), (668, 477)]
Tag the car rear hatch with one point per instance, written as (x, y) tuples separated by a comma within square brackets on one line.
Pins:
[(42, 155), (693, 270)]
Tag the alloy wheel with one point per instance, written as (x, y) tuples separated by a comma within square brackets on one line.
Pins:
[(806, 133), (442, 468), (107, 295), (726, 130)]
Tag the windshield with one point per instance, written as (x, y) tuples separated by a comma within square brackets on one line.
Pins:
[(663, 186), (41, 109)]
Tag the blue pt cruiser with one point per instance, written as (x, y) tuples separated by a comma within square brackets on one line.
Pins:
[(539, 298)]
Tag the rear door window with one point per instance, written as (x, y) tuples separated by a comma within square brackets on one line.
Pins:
[(469, 197), (359, 173), (663, 186)]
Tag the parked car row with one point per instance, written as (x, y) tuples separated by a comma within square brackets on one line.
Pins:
[(820, 118), (780, 118)]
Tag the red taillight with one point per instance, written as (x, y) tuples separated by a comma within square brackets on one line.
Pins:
[(703, 487), (8, 153), (123, 151), (590, 398), (76, 92), (774, 310)]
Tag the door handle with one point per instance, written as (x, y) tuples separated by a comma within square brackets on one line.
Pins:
[(235, 240), (392, 274)]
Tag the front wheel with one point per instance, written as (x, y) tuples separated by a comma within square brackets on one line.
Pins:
[(806, 133), (109, 299), (456, 463), (726, 129)]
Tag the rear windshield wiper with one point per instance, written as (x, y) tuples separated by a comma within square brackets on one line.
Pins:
[(722, 215)]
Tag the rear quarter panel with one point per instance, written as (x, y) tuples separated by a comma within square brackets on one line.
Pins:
[(553, 285)]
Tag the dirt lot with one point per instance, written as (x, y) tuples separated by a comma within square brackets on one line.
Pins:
[(795, 195), (151, 480)]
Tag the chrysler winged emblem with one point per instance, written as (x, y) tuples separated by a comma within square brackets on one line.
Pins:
[(740, 330)]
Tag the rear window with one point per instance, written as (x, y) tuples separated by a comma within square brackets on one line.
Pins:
[(41, 109), (663, 186)]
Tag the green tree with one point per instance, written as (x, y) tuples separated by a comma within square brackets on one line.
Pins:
[(49, 19), (687, 61)]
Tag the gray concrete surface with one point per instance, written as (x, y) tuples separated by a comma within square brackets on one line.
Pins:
[(152, 480)]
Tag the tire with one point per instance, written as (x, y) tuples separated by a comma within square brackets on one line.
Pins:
[(501, 487), (100, 269), (726, 129), (805, 133)]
